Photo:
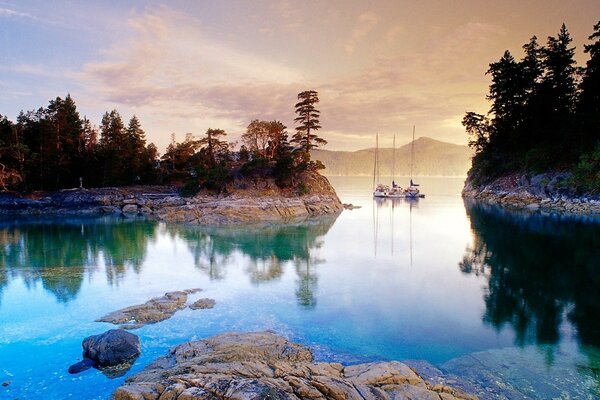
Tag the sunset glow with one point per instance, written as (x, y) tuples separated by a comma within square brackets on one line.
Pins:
[(379, 67)]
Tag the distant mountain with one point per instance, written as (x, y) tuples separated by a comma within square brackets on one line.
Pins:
[(432, 158)]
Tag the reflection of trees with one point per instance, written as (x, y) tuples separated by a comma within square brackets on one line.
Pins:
[(57, 252), (539, 268), (267, 247)]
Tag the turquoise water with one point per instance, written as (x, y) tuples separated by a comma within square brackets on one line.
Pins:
[(434, 279)]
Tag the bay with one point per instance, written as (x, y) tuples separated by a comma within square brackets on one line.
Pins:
[(458, 284)]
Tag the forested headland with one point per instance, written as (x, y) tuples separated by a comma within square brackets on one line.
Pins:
[(54, 148), (544, 114)]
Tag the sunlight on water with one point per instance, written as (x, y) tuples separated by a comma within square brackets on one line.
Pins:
[(431, 279)]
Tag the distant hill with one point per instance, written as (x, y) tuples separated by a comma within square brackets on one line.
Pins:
[(432, 158)]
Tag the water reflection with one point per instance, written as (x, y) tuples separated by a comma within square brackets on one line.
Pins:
[(266, 247), (60, 252), (542, 271)]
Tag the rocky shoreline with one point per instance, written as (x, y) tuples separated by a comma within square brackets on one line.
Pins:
[(263, 365), (550, 192), (260, 202)]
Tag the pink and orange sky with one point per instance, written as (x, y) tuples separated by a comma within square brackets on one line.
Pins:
[(184, 66)]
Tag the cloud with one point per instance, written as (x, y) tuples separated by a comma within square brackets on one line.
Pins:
[(7, 12), (364, 24), (176, 78)]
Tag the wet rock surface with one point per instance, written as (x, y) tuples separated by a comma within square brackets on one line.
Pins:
[(551, 192), (154, 310), (263, 365)]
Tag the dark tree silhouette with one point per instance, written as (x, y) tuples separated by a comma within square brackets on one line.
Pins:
[(308, 122)]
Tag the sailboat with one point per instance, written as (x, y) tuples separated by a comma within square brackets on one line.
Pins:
[(379, 190), (412, 191)]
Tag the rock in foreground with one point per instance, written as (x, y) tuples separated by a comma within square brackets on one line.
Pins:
[(113, 352), (266, 366)]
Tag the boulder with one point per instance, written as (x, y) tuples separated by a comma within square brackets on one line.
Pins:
[(111, 348), (263, 365)]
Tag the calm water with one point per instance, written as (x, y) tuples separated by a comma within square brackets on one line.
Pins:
[(436, 279)]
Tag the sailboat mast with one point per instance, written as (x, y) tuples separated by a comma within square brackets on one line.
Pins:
[(394, 159), (376, 163), (412, 154)]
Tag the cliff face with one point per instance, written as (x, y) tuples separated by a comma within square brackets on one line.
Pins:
[(546, 192), (245, 202)]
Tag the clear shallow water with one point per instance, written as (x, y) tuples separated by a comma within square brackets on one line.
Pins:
[(434, 279)]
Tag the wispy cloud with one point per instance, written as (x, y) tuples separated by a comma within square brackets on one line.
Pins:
[(364, 24), (175, 77), (7, 12)]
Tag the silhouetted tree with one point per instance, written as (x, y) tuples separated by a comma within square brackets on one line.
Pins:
[(308, 122)]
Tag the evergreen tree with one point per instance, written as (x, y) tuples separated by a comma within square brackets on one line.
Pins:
[(589, 102), (308, 122), (560, 71), (113, 139), (135, 152)]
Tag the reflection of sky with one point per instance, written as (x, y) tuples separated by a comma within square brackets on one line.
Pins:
[(429, 301)]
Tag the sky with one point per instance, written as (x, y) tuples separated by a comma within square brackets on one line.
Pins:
[(379, 67)]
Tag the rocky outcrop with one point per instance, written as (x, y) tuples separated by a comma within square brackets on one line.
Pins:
[(113, 352), (154, 310), (266, 366), (202, 304), (261, 201), (545, 192)]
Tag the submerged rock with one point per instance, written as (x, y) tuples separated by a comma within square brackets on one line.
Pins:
[(266, 366), (82, 365), (154, 310), (202, 304)]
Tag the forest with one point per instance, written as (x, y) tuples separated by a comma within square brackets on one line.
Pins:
[(54, 148), (544, 114)]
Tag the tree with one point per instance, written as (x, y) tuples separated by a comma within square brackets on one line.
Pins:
[(559, 63), (308, 120), (256, 137), (113, 139), (135, 151), (278, 139), (589, 101), (478, 128), (215, 147)]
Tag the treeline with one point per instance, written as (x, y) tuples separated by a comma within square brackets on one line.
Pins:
[(54, 148), (544, 113)]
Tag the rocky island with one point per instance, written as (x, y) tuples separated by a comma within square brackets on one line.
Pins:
[(248, 201), (548, 192)]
